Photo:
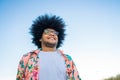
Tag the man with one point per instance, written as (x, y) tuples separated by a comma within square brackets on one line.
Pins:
[(47, 62)]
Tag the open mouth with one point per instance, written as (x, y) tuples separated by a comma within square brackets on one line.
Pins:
[(51, 38)]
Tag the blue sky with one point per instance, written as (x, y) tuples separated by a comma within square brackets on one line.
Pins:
[(93, 34)]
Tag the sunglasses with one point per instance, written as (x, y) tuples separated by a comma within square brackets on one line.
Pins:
[(48, 31)]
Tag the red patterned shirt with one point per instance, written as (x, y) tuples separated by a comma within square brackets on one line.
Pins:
[(28, 68)]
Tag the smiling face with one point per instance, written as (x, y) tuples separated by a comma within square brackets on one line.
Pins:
[(49, 38)]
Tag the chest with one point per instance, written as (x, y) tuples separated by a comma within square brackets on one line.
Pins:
[(50, 62)]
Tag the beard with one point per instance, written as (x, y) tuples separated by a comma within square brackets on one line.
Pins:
[(50, 45)]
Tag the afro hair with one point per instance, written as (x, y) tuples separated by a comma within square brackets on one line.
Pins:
[(47, 21)]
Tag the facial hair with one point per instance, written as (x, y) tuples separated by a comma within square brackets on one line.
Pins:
[(50, 45)]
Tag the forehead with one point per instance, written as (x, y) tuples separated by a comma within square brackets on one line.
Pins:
[(50, 29)]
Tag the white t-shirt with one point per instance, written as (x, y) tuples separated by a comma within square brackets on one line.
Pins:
[(52, 66)]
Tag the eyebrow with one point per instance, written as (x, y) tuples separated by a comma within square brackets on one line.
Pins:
[(51, 29)]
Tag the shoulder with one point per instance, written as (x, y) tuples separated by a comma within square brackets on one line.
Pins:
[(27, 55), (25, 58), (68, 57), (31, 53)]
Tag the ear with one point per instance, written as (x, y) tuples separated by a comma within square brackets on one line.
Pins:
[(40, 40)]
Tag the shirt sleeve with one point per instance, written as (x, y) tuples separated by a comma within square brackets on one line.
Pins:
[(74, 74), (21, 67)]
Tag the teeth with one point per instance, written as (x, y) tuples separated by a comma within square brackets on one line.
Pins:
[(51, 38)]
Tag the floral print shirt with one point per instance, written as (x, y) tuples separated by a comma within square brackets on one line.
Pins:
[(28, 68)]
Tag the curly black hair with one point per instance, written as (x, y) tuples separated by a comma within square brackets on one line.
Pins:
[(47, 21)]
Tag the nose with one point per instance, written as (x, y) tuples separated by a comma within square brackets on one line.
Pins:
[(52, 33)]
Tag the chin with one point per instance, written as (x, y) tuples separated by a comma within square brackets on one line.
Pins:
[(51, 42), (51, 45)]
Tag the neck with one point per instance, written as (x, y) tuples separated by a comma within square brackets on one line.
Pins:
[(46, 49)]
